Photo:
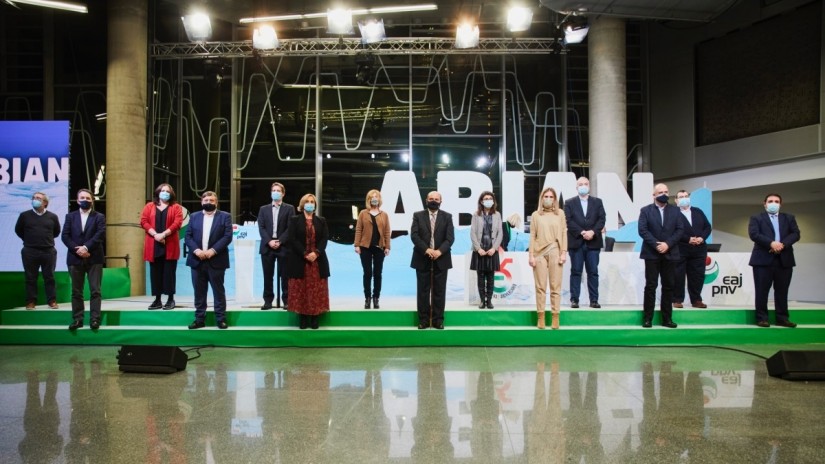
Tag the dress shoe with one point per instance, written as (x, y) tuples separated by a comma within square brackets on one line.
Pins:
[(375, 302), (647, 324), (699, 304), (266, 306), (156, 304), (367, 303), (595, 304), (170, 304), (422, 326), (678, 305), (76, 325), (30, 305), (786, 324), (763, 324), (53, 305), (223, 325), (670, 324), (196, 325), (439, 326), (95, 324), (574, 304), (482, 304)]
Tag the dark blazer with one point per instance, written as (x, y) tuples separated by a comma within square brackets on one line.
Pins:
[(92, 237), (265, 227), (700, 228), (444, 238), (760, 231), (652, 231), (297, 249), (220, 236), (578, 222)]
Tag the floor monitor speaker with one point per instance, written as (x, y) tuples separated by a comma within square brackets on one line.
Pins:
[(151, 359), (797, 365)]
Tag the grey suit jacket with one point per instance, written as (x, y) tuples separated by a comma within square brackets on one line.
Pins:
[(477, 229)]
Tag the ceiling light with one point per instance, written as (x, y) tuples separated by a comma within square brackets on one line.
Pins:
[(357, 12), (198, 27), (66, 6), (339, 21), (481, 161), (445, 158), (372, 31), (466, 36), (575, 29), (265, 38), (519, 18)]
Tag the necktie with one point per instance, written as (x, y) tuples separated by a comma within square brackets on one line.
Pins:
[(432, 230), (775, 223)]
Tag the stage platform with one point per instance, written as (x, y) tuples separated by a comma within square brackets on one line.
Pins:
[(126, 321)]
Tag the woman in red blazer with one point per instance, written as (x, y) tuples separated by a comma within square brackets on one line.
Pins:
[(162, 219)]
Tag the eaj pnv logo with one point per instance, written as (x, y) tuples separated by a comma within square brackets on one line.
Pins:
[(728, 285)]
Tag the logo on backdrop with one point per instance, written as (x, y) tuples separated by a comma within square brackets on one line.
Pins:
[(503, 279), (729, 284)]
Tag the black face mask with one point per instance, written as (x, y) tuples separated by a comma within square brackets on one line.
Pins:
[(84, 204), (209, 207), (434, 205), (662, 198)]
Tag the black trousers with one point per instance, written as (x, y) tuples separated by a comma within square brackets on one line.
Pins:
[(431, 295), (780, 278), (372, 260), (162, 272), (35, 260), (654, 270), (268, 260), (690, 267), (79, 273)]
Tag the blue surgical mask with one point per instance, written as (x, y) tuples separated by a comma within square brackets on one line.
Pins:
[(772, 208), (309, 207), (584, 190), (663, 198), (487, 204), (165, 196), (84, 204), (374, 202), (276, 196), (36, 204), (683, 202)]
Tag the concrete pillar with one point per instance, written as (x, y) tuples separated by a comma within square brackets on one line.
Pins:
[(126, 134), (607, 98)]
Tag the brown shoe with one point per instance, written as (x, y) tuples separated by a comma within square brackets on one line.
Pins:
[(786, 324), (30, 305), (53, 305), (763, 324), (699, 304), (678, 305)]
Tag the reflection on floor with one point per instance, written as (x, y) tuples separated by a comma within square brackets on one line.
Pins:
[(432, 405)]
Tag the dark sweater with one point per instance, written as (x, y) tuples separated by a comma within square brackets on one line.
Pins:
[(37, 231)]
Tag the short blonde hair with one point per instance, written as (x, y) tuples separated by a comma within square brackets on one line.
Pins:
[(554, 208), (369, 197), (305, 199)]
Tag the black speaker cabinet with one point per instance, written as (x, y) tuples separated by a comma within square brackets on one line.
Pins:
[(797, 365), (151, 359)]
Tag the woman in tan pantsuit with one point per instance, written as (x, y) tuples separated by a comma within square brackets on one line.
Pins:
[(548, 252)]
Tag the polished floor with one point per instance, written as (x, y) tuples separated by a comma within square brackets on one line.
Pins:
[(430, 405)]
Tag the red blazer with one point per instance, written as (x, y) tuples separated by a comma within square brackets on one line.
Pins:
[(174, 220)]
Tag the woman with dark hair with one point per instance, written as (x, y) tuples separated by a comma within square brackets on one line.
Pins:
[(307, 266), (548, 252), (162, 219), (485, 234)]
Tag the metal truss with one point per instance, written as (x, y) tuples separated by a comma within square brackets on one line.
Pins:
[(343, 47)]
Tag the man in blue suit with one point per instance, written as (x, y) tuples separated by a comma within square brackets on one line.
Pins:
[(207, 238), (585, 221), (273, 219), (83, 234), (661, 228), (773, 234), (432, 235), (693, 251)]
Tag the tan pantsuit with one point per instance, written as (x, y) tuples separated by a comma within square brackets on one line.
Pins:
[(548, 268)]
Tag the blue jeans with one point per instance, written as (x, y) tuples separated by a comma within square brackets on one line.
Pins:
[(580, 259)]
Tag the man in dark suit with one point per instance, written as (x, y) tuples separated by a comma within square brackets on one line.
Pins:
[(585, 221), (207, 238), (83, 234), (773, 234), (693, 251), (432, 236), (273, 219), (661, 228)]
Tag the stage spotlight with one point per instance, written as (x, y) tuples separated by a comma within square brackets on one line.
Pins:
[(405, 157), (198, 27), (481, 162), (519, 18), (445, 158), (339, 21), (575, 29), (265, 38), (65, 6), (466, 36), (372, 31)]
